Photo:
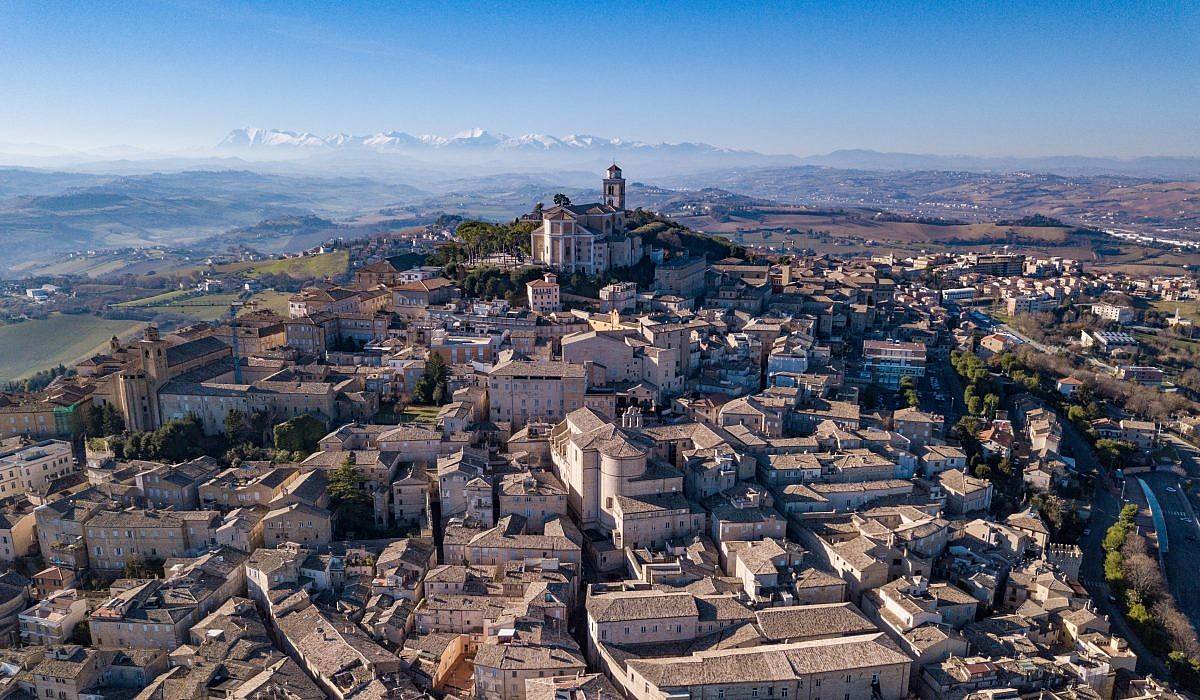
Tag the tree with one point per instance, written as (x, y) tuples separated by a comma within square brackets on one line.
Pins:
[(102, 421), (237, 426), (991, 403), (911, 398), (562, 200), (349, 500), (432, 387), (1112, 453)]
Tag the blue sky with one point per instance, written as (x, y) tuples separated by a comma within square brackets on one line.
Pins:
[(979, 78)]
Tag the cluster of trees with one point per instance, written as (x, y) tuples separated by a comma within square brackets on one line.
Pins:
[(1056, 327), (1144, 401), (481, 238), (246, 436), (176, 441), (1131, 569), (39, 380), (1113, 453), (663, 233), (981, 395), (299, 435), (432, 388), (494, 283), (102, 421), (1064, 522)]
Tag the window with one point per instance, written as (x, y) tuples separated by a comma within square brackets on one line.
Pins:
[(754, 692)]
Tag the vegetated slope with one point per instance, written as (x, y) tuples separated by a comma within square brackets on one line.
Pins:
[(38, 344), (168, 208), (1100, 200)]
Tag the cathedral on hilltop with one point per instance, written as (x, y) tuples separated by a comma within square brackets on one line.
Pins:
[(586, 238)]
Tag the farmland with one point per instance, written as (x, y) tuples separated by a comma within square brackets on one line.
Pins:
[(326, 265), (39, 344), (209, 307)]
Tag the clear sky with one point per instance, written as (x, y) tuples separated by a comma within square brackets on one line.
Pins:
[(987, 78)]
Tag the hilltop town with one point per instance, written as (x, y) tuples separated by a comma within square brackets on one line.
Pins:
[(590, 453)]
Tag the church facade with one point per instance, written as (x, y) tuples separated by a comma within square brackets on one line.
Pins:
[(587, 238)]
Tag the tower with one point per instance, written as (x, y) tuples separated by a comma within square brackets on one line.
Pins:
[(614, 187)]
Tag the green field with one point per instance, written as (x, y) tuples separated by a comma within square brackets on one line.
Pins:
[(1189, 309), (31, 346), (157, 299), (328, 265), (208, 307), (269, 300)]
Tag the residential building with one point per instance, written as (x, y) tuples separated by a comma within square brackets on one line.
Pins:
[(887, 361), (542, 295)]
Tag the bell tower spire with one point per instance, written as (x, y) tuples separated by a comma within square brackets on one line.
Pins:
[(614, 187)]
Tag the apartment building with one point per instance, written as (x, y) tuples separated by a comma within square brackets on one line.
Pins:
[(965, 493), (537, 496), (31, 466), (919, 427), (159, 613), (18, 532), (804, 651), (543, 295), (297, 522), (239, 487), (888, 361), (410, 494), (502, 670), (176, 485), (1113, 313), (522, 390), (60, 527), (116, 538), (510, 540), (53, 619)]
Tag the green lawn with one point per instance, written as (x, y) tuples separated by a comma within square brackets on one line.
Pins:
[(420, 414), (30, 346)]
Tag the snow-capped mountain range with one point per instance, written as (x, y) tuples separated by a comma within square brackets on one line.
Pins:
[(277, 139)]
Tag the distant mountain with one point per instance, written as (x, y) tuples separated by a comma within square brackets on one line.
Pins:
[(1179, 167), (255, 139)]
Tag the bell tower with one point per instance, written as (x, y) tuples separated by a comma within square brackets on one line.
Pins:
[(614, 187)]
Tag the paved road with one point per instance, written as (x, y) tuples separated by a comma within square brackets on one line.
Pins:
[(1183, 531), (994, 325), (1106, 505)]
